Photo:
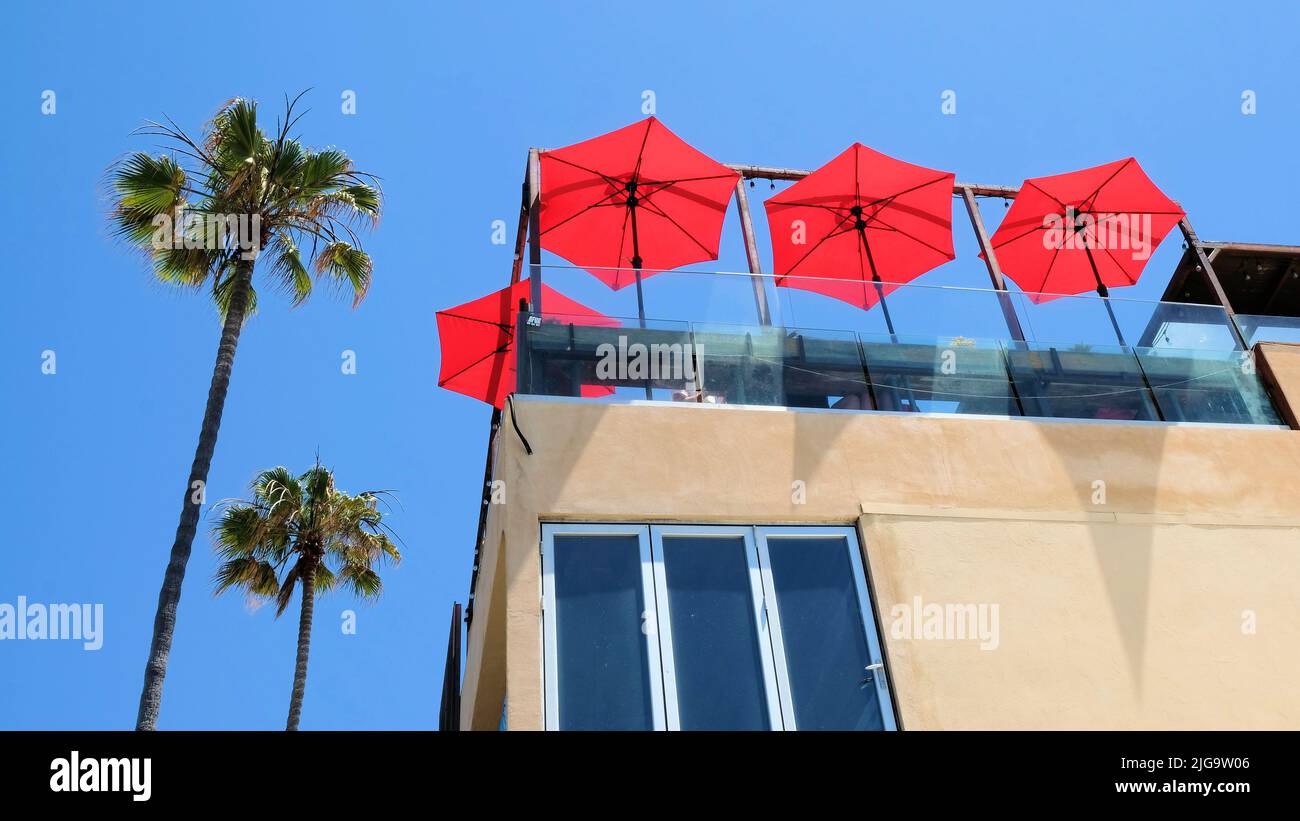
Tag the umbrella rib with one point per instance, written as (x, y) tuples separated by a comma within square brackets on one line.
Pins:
[(1020, 236), (898, 194), (797, 204), (611, 180), (1106, 181), (1010, 240), (640, 154), (666, 183), (895, 195), (1126, 211), (622, 241), (475, 363), (1040, 190), (507, 328), (913, 238), (830, 235), (1048, 274), (1132, 281), (572, 217), (857, 192), (655, 209)]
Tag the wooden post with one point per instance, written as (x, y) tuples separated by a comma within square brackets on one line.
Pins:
[(534, 230), (991, 261), (1216, 288), (751, 252), (521, 231)]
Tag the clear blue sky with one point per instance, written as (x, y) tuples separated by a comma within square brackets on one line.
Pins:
[(448, 100)]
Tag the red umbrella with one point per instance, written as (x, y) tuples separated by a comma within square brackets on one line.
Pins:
[(478, 340), (1083, 231), (862, 217), (639, 198)]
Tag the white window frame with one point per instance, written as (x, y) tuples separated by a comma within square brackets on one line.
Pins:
[(870, 625), (649, 623), (772, 692), (657, 624)]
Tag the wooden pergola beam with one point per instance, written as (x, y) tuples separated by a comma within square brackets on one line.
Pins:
[(765, 172), (1256, 248)]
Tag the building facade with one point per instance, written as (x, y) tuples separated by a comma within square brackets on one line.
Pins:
[(808, 530)]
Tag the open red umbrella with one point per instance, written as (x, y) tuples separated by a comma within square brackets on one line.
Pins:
[(864, 217), (478, 341), (1084, 231), (636, 198)]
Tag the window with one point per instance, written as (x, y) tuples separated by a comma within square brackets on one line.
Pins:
[(709, 628)]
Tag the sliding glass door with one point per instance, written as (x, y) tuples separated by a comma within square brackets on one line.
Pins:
[(602, 655), (712, 637), (707, 627), (823, 634)]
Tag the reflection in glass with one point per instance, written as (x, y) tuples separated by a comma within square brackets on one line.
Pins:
[(604, 677), (825, 641), (716, 652)]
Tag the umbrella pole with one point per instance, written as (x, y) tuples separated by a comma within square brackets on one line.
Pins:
[(880, 288), (640, 313), (1105, 298), (640, 297), (1104, 294), (884, 306)]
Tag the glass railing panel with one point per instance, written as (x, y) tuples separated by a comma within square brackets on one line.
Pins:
[(1207, 386), (777, 366), (946, 375), (1080, 382), (605, 358), (1258, 328), (1091, 320), (1184, 326), (914, 309)]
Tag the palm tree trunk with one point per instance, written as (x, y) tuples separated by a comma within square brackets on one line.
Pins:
[(304, 646), (170, 596)]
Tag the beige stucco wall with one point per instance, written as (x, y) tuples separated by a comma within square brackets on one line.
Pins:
[(1279, 367), (1127, 613)]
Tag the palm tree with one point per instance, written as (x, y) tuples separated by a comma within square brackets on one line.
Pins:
[(202, 212), (302, 530)]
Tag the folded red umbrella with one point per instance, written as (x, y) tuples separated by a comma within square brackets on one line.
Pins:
[(1083, 231), (864, 217), (636, 198), (478, 341)]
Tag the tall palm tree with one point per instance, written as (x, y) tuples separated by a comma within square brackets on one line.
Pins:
[(204, 211), (304, 530)]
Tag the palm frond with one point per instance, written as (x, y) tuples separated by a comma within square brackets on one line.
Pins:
[(345, 263), (234, 174), (247, 573), (295, 522), (288, 270), (285, 595), (363, 581)]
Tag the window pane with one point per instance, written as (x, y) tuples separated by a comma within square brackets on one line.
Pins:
[(719, 673), (600, 646), (825, 642)]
